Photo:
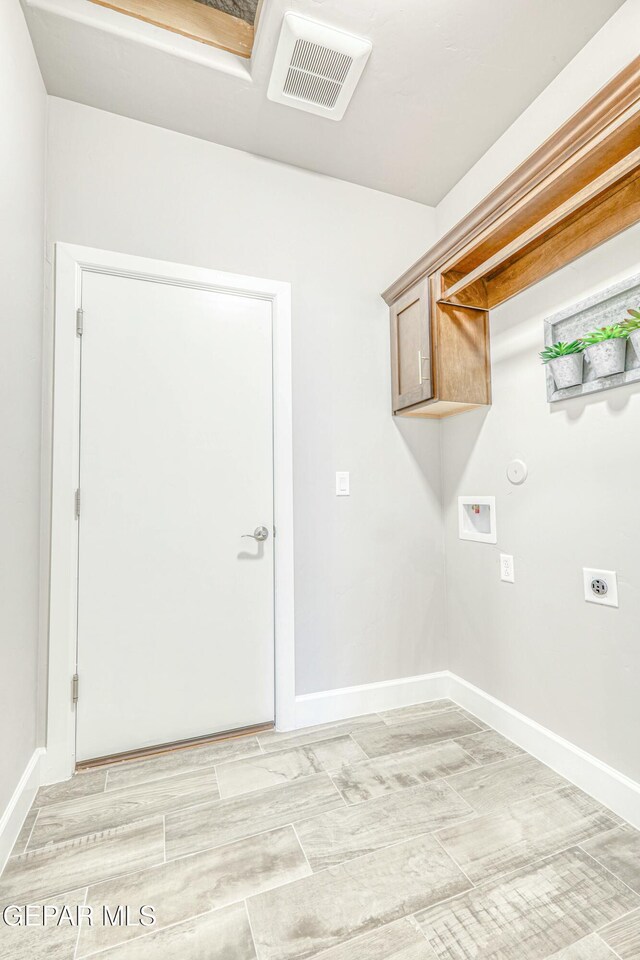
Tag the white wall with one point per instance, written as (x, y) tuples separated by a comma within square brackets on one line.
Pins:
[(536, 644), (22, 155), (369, 569)]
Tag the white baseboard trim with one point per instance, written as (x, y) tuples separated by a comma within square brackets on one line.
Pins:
[(609, 786), (598, 779), (19, 805), (329, 705)]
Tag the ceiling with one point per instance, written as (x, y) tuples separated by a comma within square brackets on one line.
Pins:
[(445, 79)]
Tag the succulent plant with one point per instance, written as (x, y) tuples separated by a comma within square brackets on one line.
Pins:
[(617, 331), (561, 349), (632, 322)]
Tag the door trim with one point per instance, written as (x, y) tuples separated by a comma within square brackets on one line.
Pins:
[(71, 262)]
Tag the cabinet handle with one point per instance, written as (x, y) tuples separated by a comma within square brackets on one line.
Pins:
[(421, 360)]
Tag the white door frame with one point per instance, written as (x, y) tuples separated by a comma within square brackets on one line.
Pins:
[(70, 263)]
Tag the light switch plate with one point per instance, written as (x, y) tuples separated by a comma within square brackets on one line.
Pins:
[(342, 483)]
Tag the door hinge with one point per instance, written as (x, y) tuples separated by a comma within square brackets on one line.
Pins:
[(79, 322), (74, 688), (77, 502)]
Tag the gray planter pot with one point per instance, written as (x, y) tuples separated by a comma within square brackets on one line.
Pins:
[(635, 342), (607, 357), (567, 371)]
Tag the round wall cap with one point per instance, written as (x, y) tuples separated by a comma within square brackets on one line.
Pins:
[(517, 471)]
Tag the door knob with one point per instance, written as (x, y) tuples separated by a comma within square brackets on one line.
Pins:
[(259, 534)]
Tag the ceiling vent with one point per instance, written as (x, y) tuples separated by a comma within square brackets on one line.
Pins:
[(316, 68)]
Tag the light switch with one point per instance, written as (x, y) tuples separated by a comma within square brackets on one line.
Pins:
[(342, 483)]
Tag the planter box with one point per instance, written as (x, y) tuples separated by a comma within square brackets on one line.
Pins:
[(601, 310), (634, 340), (567, 371), (607, 358)]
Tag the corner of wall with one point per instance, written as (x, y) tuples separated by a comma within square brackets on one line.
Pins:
[(14, 816), (22, 202), (45, 455), (445, 572)]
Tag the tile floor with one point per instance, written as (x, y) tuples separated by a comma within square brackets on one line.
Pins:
[(416, 834)]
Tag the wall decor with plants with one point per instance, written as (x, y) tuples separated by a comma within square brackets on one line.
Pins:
[(595, 344)]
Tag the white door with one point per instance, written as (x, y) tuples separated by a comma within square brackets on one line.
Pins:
[(175, 610)]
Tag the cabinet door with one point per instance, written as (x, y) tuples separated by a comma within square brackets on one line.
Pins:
[(411, 347)]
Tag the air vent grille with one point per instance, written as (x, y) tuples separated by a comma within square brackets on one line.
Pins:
[(313, 89), (321, 61), (316, 67)]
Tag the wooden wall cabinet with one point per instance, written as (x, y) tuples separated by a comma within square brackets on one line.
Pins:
[(439, 354), (578, 189), (411, 348)]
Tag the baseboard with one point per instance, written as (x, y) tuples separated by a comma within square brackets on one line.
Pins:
[(19, 805), (329, 705), (609, 786)]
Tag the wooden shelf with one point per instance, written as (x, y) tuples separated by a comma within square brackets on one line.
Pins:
[(581, 187), (594, 213)]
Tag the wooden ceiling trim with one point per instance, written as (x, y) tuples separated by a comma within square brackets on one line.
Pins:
[(615, 105), (192, 19)]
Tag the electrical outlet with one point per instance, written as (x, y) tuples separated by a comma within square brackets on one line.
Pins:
[(507, 569), (600, 586)]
